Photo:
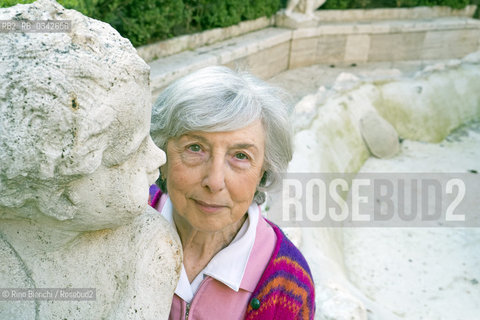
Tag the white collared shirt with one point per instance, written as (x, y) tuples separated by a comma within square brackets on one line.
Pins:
[(229, 264)]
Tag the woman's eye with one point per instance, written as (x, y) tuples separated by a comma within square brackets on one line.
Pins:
[(241, 156), (194, 148)]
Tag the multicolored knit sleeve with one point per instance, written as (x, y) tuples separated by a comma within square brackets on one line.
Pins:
[(285, 290), (154, 194)]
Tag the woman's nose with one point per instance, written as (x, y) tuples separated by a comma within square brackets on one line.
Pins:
[(214, 178)]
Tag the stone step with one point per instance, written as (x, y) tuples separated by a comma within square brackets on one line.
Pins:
[(390, 40), (296, 20), (272, 50), (238, 52)]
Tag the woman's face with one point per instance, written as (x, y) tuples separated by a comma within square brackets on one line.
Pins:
[(212, 176)]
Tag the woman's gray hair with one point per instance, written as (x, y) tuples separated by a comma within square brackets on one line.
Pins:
[(217, 99)]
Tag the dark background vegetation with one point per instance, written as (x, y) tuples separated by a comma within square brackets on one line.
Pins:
[(147, 21)]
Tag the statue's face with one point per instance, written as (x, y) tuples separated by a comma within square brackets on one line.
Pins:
[(75, 117), (114, 194), (111, 196)]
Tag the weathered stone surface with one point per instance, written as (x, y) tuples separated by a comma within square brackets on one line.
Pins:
[(379, 135), (13, 274), (306, 7), (76, 161), (295, 20), (269, 62), (388, 35), (341, 304), (450, 44), (268, 48), (427, 107), (190, 42), (438, 100), (303, 53), (357, 48), (324, 49), (396, 46), (419, 13)]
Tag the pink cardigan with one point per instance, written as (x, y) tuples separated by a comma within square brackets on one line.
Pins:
[(214, 300)]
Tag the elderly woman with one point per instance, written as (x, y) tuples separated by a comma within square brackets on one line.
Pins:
[(227, 138)]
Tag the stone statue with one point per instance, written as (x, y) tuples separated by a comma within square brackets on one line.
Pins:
[(76, 162), (306, 7)]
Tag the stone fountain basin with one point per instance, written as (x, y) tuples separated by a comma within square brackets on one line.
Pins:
[(389, 273)]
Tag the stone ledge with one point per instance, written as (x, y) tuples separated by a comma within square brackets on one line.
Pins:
[(168, 69), (169, 47), (163, 71), (296, 21), (394, 26), (272, 50), (248, 44), (393, 14)]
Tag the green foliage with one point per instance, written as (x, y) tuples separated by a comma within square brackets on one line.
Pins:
[(208, 14), (337, 4), (141, 21), (146, 21), (476, 2), (9, 3), (79, 5), (368, 4)]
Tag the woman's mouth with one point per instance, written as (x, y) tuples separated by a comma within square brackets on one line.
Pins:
[(208, 207)]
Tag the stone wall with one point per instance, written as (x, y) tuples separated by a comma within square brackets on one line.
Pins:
[(332, 37), (295, 21), (165, 48), (264, 53), (400, 40)]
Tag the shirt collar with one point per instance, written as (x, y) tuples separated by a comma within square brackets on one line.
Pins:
[(228, 265)]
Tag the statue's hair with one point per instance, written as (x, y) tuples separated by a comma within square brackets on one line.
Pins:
[(219, 99), (58, 106)]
